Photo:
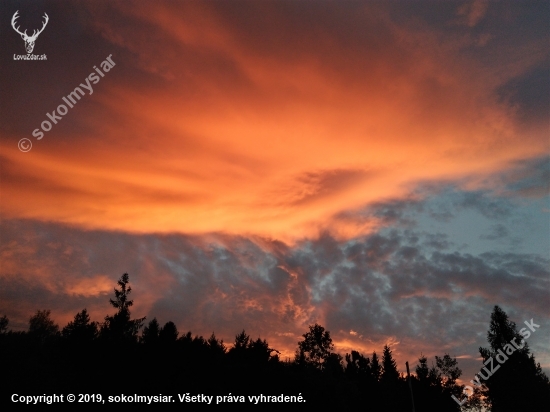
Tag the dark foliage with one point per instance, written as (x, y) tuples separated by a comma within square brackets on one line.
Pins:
[(81, 330), (42, 328), (519, 383), (4, 321), (110, 359), (120, 328), (316, 348)]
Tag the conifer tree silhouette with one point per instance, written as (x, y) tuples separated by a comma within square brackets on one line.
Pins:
[(81, 329), (517, 382), (150, 334), (120, 327), (216, 346), (390, 375), (168, 334), (121, 301), (240, 353), (376, 368), (261, 353), (422, 369), (449, 371)]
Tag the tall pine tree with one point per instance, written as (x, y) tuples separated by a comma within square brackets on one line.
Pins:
[(120, 327), (390, 375), (514, 381), (376, 368)]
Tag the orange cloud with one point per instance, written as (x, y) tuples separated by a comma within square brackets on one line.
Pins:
[(238, 130)]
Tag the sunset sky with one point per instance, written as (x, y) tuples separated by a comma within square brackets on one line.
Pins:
[(381, 168)]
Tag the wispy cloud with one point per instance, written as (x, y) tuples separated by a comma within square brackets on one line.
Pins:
[(263, 121)]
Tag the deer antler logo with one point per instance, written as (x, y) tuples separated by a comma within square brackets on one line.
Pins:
[(29, 40)]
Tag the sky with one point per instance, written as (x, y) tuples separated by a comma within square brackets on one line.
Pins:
[(379, 168)]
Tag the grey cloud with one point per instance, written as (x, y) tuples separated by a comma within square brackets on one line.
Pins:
[(530, 93), (437, 241), (498, 231), (529, 177), (486, 205), (390, 284)]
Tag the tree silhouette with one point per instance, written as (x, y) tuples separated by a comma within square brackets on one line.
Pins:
[(316, 347), (4, 324), (169, 333), (428, 377), (39, 361), (41, 327), (333, 364), (240, 353), (435, 386), (260, 352), (150, 334), (119, 326), (251, 352), (242, 340), (390, 375), (376, 368), (81, 329), (449, 371), (121, 301), (216, 346), (514, 381), (357, 366), (422, 369)]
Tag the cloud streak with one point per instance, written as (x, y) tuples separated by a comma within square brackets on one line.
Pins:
[(226, 127)]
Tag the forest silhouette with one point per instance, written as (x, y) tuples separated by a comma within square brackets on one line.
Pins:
[(112, 357)]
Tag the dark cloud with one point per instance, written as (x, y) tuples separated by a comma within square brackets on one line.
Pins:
[(530, 93), (498, 231), (397, 211), (437, 241), (394, 284), (486, 205), (528, 178)]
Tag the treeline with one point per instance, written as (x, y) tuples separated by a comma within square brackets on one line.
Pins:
[(112, 357)]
